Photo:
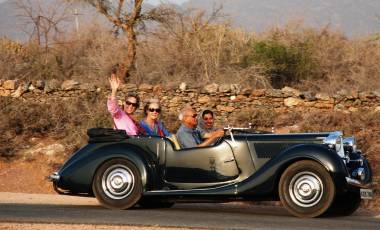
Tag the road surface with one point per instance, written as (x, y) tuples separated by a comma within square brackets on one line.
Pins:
[(42, 208)]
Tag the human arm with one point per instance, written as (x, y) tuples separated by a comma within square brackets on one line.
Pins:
[(112, 105), (212, 137), (114, 83)]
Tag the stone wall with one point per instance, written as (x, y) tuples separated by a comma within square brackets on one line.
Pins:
[(225, 99)]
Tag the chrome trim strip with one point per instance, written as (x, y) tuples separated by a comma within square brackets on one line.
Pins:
[(357, 183)]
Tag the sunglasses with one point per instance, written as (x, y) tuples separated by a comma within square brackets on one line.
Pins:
[(152, 110), (130, 103)]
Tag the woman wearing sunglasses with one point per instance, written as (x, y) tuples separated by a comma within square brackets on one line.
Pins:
[(122, 118), (151, 124)]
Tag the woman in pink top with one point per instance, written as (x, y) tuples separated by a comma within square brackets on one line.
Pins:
[(122, 118)]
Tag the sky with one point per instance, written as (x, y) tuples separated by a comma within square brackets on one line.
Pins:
[(155, 2)]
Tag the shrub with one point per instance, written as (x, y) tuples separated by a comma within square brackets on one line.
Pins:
[(286, 65)]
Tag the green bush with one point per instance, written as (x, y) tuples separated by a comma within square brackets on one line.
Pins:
[(286, 64)]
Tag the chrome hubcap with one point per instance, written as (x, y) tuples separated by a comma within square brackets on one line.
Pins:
[(118, 182), (306, 189)]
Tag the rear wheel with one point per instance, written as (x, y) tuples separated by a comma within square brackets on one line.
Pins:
[(117, 184), (306, 189)]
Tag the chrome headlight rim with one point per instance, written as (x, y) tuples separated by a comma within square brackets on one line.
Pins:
[(349, 144), (335, 141)]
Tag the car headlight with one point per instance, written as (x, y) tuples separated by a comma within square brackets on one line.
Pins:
[(349, 144), (335, 141)]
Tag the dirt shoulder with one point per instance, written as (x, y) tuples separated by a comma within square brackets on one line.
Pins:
[(26, 175)]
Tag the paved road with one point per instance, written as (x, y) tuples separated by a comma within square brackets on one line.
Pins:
[(17, 207)]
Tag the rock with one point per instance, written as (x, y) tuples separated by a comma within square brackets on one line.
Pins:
[(222, 108), (204, 99), (309, 103), (49, 150), (324, 105), (323, 97), (353, 109), (128, 87), (339, 107), (145, 87), (39, 84), (211, 88), (70, 85), (51, 86), (377, 93), (225, 88), (275, 93), (87, 87), (31, 87), (183, 86), (54, 149), (5, 93), (20, 90), (290, 90), (377, 109), (157, 89), (175, 100), (236, 88), (290, 102), (342, 92), (357, 102), (9, 84), (246, 91), (308, 96), (258, 93), (366, 95)]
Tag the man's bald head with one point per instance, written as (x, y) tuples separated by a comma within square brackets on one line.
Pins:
[(188, 116)]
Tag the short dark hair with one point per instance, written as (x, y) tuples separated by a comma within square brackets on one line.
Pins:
[(207, 111), (135, 96)]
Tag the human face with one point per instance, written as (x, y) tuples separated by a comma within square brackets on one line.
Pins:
[(190, 118), (208, 120), (153, 111), (130, 105)]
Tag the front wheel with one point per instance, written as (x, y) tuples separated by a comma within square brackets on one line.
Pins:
[(117, 184), (306, 189), (345, 204)]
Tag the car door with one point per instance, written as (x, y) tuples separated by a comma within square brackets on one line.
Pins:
[(201, 166)]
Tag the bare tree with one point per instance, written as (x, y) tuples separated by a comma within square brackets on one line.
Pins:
[(46, 19), (126, 15)]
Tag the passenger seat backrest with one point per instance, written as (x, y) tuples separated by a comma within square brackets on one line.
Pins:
[(174, 140)]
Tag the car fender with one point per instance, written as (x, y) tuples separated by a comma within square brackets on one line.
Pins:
[(77, 174), (267, 177)]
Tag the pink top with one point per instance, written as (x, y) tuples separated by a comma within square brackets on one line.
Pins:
[(120, 118)]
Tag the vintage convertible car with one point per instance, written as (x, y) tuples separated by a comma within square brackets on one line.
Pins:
[(311, 173)]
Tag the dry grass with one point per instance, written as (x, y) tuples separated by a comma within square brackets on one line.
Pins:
[(64, 120), (197, 49)]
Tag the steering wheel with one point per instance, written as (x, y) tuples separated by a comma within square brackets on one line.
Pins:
[(218, 141)]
